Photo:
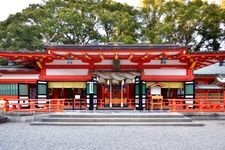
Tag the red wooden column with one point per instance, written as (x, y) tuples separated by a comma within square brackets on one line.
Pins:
[(224, 95), (128, 97), (190, 74), (42, 73)]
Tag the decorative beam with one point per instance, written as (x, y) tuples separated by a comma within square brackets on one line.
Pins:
[(116, 56), (39, 65), (131, 56), (101, 56), (193, 65)]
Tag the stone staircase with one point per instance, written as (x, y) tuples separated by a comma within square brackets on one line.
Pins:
[(117, 119)]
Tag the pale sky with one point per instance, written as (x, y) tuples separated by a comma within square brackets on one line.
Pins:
[(8, 7)]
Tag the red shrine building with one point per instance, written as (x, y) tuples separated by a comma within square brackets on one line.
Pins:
[(112, 76)]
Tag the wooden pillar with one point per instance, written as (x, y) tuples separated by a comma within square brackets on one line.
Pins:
[(122, 83), (224, 99), (6, 106), (128, 97), (103, 96), (91, 66), (110, 91), (190, 74), (140, 66), (32, 104), (42, 74), (173, 105), (224, 95), (200, 105)]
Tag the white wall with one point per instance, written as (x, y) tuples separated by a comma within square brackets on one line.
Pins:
[(19, 76), (66, 71), (166, 72)]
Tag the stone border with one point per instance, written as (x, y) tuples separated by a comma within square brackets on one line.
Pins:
[(205, 115)]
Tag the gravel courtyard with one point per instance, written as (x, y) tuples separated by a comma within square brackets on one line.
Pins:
[(22, 136)]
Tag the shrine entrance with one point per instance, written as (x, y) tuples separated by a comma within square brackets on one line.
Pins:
[(116, 90), (116, 95)]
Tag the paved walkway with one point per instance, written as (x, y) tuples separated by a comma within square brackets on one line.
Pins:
[(19, 136)]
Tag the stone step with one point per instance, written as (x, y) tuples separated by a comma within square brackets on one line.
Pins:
[(116, 115), (185, 124), (208, 118), (206, 115), (185, 119), (117, 119)]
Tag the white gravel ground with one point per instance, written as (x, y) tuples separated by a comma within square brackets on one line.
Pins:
[(22, 136)]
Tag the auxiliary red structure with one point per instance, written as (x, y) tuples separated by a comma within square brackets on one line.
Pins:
[(112, 77)]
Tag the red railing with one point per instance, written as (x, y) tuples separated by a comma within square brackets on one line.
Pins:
[(130, 103), (197, 105), (58, 105), (33, 105), (75, 103), (101, 103)]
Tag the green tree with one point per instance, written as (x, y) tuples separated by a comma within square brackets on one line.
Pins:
[(152, 14), (117, 22), (102, 21), (15, 33), (70, 22), (194, 23), (211, 28)]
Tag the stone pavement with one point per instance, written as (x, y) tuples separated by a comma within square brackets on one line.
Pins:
[(19, 136)]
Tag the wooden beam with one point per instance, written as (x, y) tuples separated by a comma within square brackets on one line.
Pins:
[(18, 81), (68, 78), (39, 65), (165, 78), (193, 65)]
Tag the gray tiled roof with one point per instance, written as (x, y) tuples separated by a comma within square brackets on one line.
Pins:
[(116, 47), (208, 86), (211, 70)]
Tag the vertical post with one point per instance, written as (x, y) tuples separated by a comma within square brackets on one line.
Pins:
[(91, 107), (34, 116), (173, 105), (18, 115), (58, 106), (143, 94), (140, 93), (42, 94), (189, 93), (6, 108), (224, 96), (88, 94), (137, 97), (122, 93), (32, 104), (49, 105), (110, 94), (200, 105), (92, 94)]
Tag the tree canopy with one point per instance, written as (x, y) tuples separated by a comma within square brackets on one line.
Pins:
[(194, 23)]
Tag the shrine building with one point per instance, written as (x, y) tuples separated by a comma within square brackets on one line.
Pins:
[(111, 76)]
